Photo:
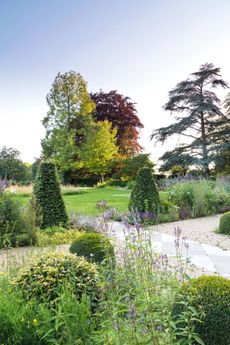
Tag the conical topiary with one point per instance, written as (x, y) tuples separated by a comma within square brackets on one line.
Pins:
[(47, 194), (145, 195)]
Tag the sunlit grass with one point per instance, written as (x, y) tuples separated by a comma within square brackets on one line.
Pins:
[(83, 200)]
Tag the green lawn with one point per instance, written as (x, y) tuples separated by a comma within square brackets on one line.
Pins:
[(84, 200)]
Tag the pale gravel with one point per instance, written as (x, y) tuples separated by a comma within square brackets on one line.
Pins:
[(202, 230)]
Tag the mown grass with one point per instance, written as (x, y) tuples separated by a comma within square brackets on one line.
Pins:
[(84, 200)]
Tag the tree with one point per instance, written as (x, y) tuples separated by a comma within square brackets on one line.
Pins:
[(122, 113), (198, 116), (222, 153), (145, 195), (35, 168), (50, 207), (128, 168), (177, 159), (99, 148), (11, 166), (67, 120)]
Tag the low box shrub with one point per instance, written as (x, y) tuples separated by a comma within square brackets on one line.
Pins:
[(93, 246), (210, 295), (224, 226), (45, 277)]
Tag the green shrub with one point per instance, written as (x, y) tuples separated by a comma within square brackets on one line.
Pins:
[(130, 185), (181, 195), (47, 194), (11, 223), (116, 183), (145, 195), (200, 202), (23, 240), (224, 226), (199, 198), (93, 246), (210, 295), (62, 236), (101, 184), (22, 322), (169, 212), (18, 319), (45, 277)]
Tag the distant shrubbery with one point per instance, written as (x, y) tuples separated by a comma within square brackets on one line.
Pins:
[(199, 198)]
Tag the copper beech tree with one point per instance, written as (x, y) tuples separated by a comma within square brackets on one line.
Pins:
[(122, 113)]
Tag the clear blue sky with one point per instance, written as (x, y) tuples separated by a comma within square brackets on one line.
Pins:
[(141, 48)]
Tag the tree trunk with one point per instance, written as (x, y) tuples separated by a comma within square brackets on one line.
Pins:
[(204, 146)]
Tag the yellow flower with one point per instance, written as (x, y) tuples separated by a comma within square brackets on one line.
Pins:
[(35, 322)]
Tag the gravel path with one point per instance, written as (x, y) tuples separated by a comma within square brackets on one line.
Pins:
[(200, 229)]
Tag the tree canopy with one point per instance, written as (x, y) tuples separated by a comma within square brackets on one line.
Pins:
[(99, 148), (12, 167), (67, 120), (122, 113), (198, 116)]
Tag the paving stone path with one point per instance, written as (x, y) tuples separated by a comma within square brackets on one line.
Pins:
[(202, 254), (208, 250)]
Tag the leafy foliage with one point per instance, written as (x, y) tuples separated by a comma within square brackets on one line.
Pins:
[(198, 117), (99, 148), (145, 195), (69, 321), (122, 113), (46, 276), (69, 116), (128, 168), (55, 236), (11, 222), (48, 198), (210, 295), (12, 167), (93, 246), (199, 198), (224, 227)]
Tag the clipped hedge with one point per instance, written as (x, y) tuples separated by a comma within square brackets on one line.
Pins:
[(145, 196), (93, 246), (46, 276), (50, 206), (211, 296), (224, 226)]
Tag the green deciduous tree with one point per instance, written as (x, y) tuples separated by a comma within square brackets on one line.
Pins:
[(50, 206), (67, 120), (99, 148), (128, 168), (12, 167), (198, 116), (145, 195)]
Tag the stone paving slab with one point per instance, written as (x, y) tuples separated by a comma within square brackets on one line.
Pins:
[(210, 258)]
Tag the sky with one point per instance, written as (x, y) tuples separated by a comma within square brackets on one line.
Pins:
[(141, 48)]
